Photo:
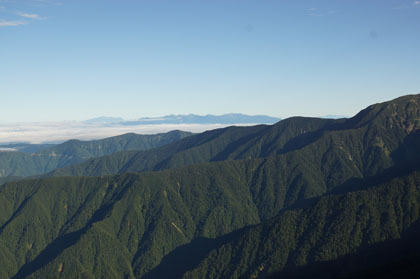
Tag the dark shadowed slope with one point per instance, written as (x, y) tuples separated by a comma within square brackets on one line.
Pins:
[(127, 224), (337, 236)]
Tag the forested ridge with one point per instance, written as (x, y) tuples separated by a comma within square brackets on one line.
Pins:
[(33, 160), (304, 197)]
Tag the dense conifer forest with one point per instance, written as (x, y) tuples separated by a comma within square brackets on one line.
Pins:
[(303, 198)]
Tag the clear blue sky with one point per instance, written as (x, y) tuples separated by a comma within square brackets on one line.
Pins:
[(73, 60)]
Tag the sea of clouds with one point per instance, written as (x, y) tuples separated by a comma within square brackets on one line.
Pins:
[(57, 132)]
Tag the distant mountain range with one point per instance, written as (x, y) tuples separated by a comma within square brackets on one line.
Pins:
[(231, 118)]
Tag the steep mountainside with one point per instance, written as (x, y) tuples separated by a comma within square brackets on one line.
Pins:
[(304, 196), (356, 147), (137, 219), (217, 145), (315, 236), (145, 215), (141, 217), (75, 151)]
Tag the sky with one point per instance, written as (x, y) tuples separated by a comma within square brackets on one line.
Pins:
[(75, 60)]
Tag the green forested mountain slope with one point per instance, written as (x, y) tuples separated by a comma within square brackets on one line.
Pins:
[(144, 216), (216, 145), (126, 224), (201, 201), (310, 197), (329, 229), (97, 148), (9, 179), (333, 150), (135, 219), (75, 151)]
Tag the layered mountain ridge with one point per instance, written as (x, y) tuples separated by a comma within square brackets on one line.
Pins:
[(300, 198), (28, 163)]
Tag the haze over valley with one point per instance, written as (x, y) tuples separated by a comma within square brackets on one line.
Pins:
[(102, 127)]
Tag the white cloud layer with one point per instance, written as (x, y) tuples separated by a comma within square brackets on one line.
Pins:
[(53, 132), (31, 16), (5, 23)]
